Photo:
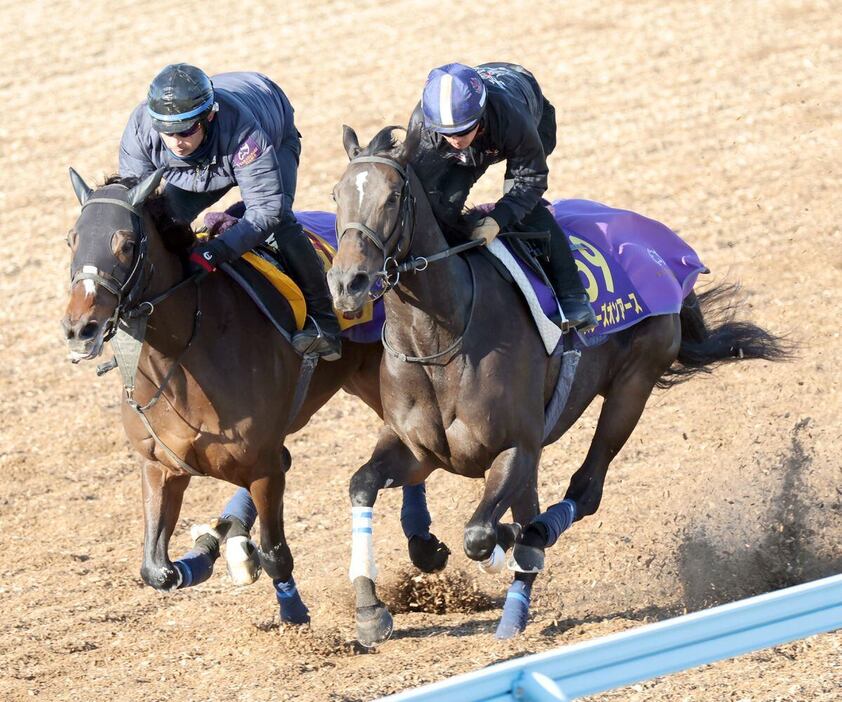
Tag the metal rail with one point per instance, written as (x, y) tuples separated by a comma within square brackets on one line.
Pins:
[(649, 651)]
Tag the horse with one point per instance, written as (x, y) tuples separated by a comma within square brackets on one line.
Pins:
[(215, 386), (465, 381)]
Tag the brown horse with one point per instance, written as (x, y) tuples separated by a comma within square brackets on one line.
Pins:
[(466, 380), (217, 378)]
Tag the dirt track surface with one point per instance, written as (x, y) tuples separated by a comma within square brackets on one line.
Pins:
[(723, 120)]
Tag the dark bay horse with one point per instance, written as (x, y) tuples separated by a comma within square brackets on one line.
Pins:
[(466, 379), (224, 376)]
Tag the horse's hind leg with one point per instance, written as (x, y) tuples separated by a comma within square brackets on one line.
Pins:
[(275, 556), (651, 353), (391, 464)]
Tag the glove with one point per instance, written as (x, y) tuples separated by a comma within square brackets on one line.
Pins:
[(208, 255), (486, 229), (218, 222)]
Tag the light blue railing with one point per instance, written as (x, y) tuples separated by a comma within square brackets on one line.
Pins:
[(648, 651)]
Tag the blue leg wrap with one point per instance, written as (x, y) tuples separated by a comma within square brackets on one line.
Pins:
[(241, 507), (195, 567), (557, 519), (415, 517), (293, 609), (515, 610)]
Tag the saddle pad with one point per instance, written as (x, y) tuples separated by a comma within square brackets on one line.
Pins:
[(631, 266), (364, 325), (548, 330)]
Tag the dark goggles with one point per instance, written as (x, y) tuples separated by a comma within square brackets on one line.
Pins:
[(187, 132), (464, 132)]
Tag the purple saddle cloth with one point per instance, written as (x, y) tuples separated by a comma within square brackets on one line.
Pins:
[(632, 267)]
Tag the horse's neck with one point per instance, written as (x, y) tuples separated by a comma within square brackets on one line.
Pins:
[(171, 323), (430, 306)]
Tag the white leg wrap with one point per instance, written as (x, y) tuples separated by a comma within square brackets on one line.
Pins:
[(362, 544), (495, 562), (198, 530), (242, 561)]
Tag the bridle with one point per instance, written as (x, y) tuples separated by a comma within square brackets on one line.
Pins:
[(131, 286), (393, 257), (402, 231)]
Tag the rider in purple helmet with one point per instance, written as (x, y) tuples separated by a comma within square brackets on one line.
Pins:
[(210, 134), (471, 118)]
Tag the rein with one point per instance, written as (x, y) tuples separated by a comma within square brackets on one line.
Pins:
[(392, 266)]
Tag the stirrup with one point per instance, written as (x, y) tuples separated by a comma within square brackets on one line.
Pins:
[(305, 341)]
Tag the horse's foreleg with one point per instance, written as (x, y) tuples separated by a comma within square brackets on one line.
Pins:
[(391, 464), (275, 556), (163, 492), (511, 470), (426, 552), (516, 607)]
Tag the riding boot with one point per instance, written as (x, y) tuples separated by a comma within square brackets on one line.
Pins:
[(321, 332), (564, 277)]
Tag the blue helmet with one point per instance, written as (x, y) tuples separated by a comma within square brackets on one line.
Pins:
[(454, 98)]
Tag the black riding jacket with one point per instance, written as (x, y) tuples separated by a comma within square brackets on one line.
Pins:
[(509, 131)]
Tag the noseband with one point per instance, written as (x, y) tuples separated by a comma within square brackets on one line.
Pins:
[(403, 229)]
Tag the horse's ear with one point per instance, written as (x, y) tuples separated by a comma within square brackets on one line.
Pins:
[(138, 194), (350, 142), (401, 150), (83, 192)]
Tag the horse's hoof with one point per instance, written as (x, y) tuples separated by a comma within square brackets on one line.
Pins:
[(374, 625), (242, 560), (526, 559), (508, 534), (428, 555), (167, 579)]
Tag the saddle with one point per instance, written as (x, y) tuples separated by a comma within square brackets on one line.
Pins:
[(261, 274)]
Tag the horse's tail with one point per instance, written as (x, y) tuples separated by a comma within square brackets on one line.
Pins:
[(710, 336)]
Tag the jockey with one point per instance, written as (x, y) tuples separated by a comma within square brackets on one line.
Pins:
[(212, 134), (471, 118)]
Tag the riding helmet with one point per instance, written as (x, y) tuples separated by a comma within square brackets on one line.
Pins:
[(179, 96), (454, 98)]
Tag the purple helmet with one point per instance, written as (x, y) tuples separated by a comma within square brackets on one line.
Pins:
[(454, 98)]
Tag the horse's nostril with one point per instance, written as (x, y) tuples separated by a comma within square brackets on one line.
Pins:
[(89, 330), (358, 283)]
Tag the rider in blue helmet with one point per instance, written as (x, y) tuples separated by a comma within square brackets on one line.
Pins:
[(471, 118), (210, 134)]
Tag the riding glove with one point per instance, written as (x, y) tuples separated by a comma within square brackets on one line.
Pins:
[(208, 255), (487, 229), (218, 222)]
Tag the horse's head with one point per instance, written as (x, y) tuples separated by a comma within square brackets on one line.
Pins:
[(107, 245), (374, 217)]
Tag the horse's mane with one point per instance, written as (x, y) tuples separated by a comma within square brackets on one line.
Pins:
[(177, 236), (385, 143)]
